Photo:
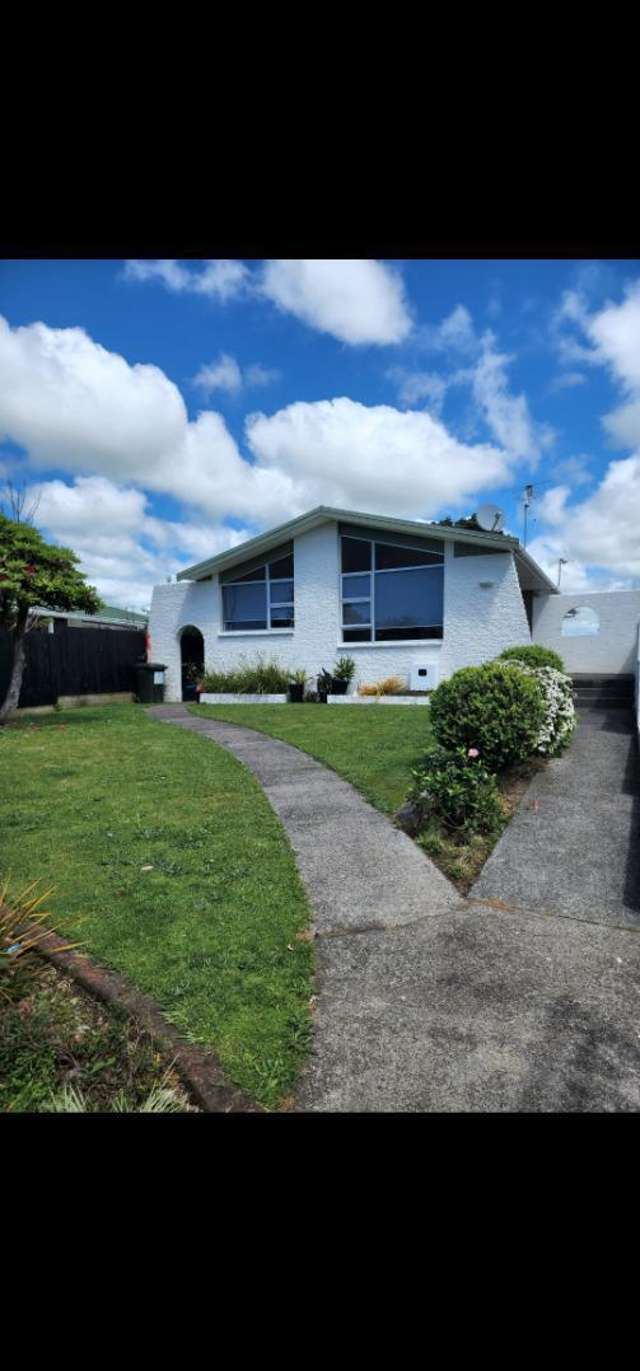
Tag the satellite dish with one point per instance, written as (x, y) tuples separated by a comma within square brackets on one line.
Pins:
[(490, 518)]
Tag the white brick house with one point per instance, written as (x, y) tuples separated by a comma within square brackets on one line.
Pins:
[(392, 593)]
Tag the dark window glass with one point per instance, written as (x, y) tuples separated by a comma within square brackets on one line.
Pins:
[(281, 593), (245, 606), (259, 574), (356, 635), (394, 635), (282, 618), (356, 587), (388, 557), (359, 613), (356, 555), (282, 568), (408, 600)]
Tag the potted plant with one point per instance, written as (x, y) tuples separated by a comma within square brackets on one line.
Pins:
[(191, 686), (297, 683), (325, 685), (343, 672)]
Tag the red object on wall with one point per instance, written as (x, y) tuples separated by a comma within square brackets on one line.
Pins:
[(147, 644)]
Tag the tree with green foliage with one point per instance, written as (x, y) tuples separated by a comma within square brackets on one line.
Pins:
[(34, 575), (469, 521)]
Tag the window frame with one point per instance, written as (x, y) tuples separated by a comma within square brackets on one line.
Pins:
[(371, 598), (268, 582)]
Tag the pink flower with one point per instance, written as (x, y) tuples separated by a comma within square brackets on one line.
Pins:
[(473, 752)]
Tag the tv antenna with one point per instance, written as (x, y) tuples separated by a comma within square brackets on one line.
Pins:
[(490, 518), (528, 497)]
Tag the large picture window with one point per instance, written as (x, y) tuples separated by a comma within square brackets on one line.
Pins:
[(390, 591), (259, 596)]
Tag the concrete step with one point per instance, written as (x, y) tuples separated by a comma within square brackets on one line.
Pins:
[(603, 692), (592, 681), (617, 704), (595, 694)]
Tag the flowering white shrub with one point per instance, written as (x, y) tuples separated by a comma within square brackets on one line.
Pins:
[(560, 713)]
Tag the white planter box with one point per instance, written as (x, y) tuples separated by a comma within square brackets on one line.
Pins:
[(377, 699), (220, 699)]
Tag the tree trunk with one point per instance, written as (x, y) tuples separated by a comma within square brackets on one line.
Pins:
[(17, 672)]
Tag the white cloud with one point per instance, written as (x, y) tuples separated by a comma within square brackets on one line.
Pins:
[(507, 416), (377, 458), (414, 386), (257, 375), (601, 531), (166, 270), (222, 279), (225, 374), (456, 331), (357, 301), (567, 380), (547, 550), (615, 331), (454, 334), (575, 470), (552, 507), (613, 341), (623, 424), (72, 404), (123, 550)]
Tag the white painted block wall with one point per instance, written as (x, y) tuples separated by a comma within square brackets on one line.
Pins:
[(478, 622), (612, 649)]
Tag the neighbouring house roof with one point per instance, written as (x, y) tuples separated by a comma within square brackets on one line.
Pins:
[(109, 614), (531, 576)]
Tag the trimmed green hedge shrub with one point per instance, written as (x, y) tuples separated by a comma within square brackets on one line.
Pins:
[(533, 655), (458, 790), (495, 708)]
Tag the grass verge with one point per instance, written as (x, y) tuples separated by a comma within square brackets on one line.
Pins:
[(169, 863), (372, 746)]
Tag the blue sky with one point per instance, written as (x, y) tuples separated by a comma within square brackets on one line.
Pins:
[(161, 411)]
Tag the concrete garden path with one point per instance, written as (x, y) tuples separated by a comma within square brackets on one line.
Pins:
[(573, 847), (524, 997)]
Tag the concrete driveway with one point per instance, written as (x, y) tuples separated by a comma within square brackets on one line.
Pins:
[(524, 997)]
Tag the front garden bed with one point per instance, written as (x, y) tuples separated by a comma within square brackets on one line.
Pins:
[(228, 698), (461, 856), (377, 699), (495, 726), (63, 1052)]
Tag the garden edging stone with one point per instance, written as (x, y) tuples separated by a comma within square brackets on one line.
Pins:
[(199, 1069)]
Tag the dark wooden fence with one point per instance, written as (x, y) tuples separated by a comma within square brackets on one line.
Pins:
[(78, 661)]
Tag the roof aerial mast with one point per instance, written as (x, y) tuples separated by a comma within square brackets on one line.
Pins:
[(528, 497)]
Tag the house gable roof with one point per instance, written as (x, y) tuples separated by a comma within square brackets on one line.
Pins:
[(531, 576)]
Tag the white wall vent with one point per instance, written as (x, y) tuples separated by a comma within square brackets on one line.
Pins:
[(423, 676)]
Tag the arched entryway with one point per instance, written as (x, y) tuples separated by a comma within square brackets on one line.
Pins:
[(191, 659)]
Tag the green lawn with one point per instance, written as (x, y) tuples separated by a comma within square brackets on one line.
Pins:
[(373, 746), (89, 798)]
